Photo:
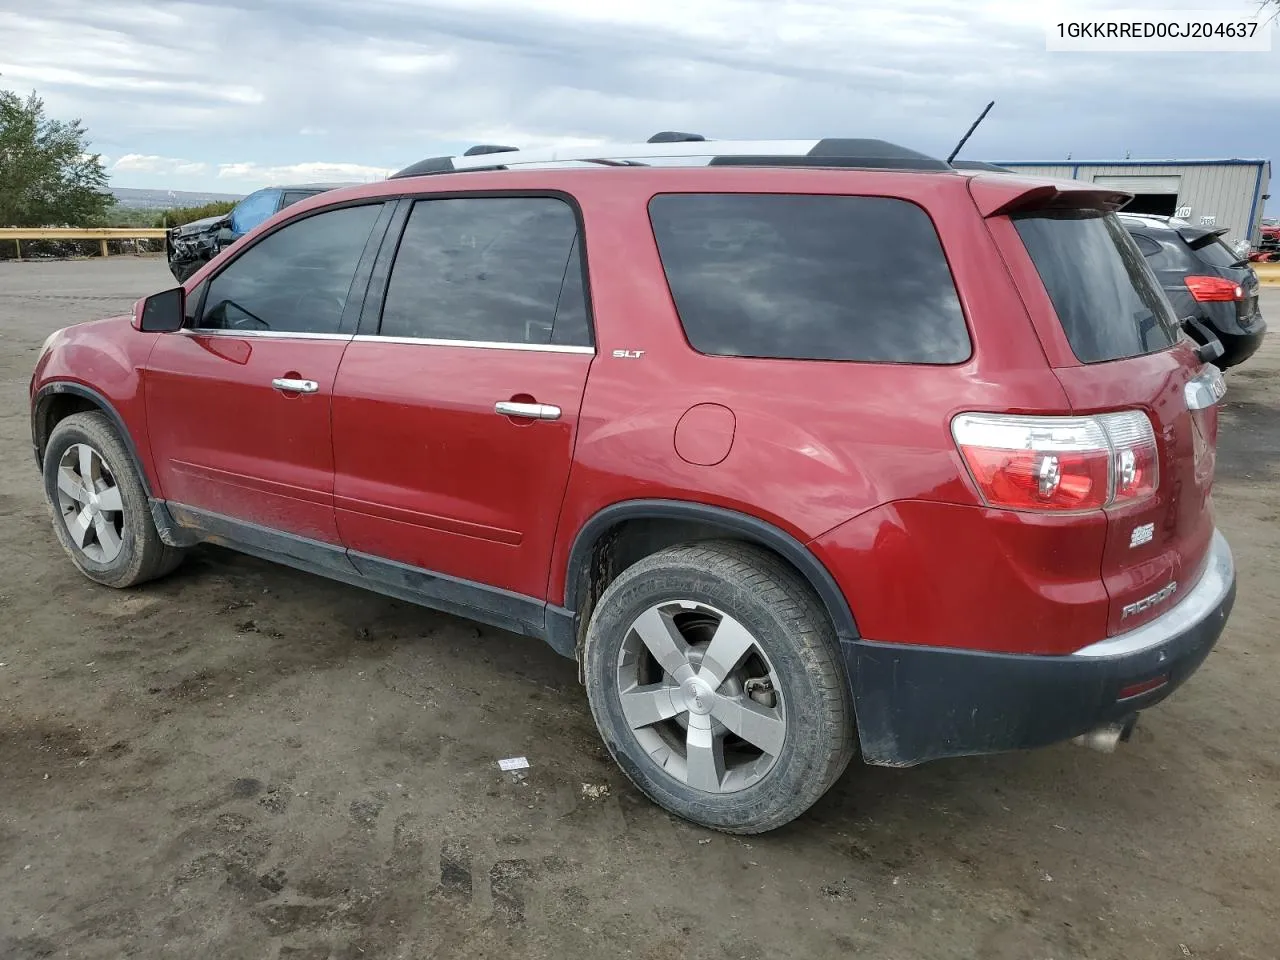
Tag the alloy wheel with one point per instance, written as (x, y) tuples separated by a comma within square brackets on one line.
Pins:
[(90, 503), (701, 697)]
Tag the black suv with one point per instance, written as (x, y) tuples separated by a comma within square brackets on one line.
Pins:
[(191, 245), (1212, 289)]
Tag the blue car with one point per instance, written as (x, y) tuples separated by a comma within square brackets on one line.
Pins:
[(192, 245)]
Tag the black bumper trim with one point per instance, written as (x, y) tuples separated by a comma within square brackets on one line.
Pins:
[(916, 704)]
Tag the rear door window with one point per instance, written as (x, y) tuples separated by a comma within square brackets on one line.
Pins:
[(489, 269), (809, 277), (1106, 297)]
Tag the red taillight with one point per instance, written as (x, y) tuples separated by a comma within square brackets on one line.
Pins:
[(1059, 463), (1214, 289), (1026, 479)]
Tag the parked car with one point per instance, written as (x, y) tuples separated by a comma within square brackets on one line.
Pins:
[(1206, 281), (1269, 241), (802, 449), (191, 245)]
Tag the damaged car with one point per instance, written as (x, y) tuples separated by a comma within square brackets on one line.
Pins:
[(191, 245)]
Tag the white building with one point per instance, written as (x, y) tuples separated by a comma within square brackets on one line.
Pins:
[(1211, 193)]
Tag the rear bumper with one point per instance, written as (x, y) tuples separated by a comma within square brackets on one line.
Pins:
[(916, 704), (1237, 348)]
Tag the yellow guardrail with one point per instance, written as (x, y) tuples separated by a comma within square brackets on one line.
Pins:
[(101, 234), (1268, 273)]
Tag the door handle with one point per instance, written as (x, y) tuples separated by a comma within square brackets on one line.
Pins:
[(533, 411), (289, 385)]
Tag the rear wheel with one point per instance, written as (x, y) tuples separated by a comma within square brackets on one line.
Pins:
[(716, 682), (101, 515)]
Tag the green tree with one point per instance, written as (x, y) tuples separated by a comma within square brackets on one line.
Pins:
[(176, 216), (48, 177)]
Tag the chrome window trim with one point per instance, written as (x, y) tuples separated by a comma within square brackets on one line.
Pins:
[(1205, 597), (276, 334), (477, 344)]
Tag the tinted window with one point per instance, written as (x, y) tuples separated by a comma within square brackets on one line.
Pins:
[(1148, 246), (1105, 294), (293, 196), (499, 269), (1217, 254), (192, 308), (809, 277), (252, 210), (295, 280)]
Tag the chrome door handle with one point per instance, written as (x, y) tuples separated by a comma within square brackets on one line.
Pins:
[(534, 411), (286, 385)]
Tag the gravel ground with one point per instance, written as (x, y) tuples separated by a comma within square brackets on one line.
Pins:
[(246, 762)]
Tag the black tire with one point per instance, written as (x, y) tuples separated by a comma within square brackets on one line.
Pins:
[(142, 554), (788, 623)]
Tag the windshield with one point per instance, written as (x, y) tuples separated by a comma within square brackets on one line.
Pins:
[(1106, 297)]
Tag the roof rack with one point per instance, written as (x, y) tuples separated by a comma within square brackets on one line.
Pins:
[(672, 136), (687, 151)]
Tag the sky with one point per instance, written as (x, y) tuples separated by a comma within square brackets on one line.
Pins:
[(232, 95)]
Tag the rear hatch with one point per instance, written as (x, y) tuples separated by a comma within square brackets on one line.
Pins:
[(1213, 258), (1115, 344)]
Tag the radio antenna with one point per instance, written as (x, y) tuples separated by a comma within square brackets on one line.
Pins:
[(969, 133)]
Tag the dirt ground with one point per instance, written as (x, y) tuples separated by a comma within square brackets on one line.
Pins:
[(246, 762)]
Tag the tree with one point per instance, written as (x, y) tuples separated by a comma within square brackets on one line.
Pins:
[(48, 177)]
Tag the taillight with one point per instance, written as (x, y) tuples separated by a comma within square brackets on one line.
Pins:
[(1059, 463), (1214, 289)]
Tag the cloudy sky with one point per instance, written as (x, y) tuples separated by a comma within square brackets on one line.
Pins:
[(227, 96)]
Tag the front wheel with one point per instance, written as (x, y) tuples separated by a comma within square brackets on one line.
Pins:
[(715, 678), (101, 514)]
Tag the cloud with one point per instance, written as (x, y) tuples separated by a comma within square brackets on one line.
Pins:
[(287, 86), (143, 163), (309, 172)]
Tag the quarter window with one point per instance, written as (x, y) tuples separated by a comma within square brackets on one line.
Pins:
[(296, 280), (809, 277), (1148, 246), (494, 269)]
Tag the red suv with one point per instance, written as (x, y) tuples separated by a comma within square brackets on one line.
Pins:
[(800, 449)]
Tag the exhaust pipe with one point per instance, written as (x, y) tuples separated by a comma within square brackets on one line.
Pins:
[(1104, 738)]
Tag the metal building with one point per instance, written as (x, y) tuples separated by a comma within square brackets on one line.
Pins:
[(1211, 193)]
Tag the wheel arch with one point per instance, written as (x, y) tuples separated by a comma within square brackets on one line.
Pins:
[(56, 401), (623, 533)]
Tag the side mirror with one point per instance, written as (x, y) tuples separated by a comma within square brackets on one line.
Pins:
[(163, 312), (225, 236)]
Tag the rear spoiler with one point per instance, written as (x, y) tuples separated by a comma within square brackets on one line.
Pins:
[(1197, 237), (998, 196)]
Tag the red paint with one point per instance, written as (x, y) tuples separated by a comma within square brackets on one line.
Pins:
[(1181, 509), (704, 434), (401, 454), (226, 441), (429, 475)]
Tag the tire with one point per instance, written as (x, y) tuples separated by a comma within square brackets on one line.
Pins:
[(115, 547), (791, 673)]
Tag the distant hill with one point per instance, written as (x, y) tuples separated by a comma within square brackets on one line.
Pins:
[(166, 199)]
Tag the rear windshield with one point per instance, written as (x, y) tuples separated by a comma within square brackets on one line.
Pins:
[(1105, 295), (1217, 254), (809, 278)]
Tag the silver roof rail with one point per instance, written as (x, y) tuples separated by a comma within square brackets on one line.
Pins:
[(829, 152)]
